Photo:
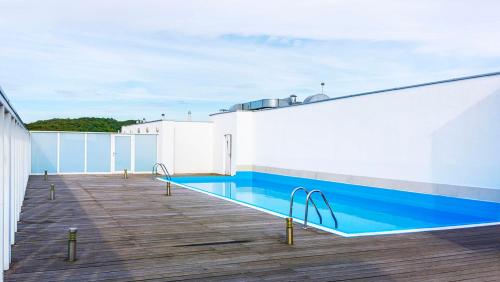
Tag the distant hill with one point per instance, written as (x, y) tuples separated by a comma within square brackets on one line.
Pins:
[(79, 124)]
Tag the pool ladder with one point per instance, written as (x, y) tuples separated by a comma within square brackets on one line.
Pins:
[(163, 168), (167, 175), (289, 220)]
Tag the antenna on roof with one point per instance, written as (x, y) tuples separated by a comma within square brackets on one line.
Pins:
[(322, 85), (162, 116)]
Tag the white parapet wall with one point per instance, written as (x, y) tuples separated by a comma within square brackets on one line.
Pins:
[(185, 147), (439, 138), (239, 125), (14, 173)]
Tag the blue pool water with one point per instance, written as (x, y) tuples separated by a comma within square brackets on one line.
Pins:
[(359, 210)]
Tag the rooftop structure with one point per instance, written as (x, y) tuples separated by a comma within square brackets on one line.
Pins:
[(423, 155)]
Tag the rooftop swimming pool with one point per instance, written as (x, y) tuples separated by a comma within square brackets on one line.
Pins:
[(359, 210)]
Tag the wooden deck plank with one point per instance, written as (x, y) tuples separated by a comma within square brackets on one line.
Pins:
[(129, 231)]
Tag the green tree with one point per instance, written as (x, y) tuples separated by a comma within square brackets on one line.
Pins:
[(89, 124)]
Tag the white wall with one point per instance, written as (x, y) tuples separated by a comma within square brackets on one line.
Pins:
[(193, 147), (240, 126), (222, 125), (184, 146), (14, 173), (443, 133)]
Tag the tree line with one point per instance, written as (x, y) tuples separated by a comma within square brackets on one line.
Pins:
[(90, 124)]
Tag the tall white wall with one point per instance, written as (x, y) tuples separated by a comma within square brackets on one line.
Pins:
[(443, 133), (193, 147), (222, 125), (240, 126), (14, 173), (184, 146)]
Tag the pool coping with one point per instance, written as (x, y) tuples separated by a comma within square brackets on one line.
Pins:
[(333, 231)]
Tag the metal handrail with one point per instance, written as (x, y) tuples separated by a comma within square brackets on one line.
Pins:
[(165, 171), (291, 202), (326, 202), (163, 167)]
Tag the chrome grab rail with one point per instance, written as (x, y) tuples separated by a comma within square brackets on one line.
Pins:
[(307, 193), (163, 167), (326, 202)]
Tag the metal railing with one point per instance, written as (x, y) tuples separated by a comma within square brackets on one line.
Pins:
[(15, 164), (312, 201), (326, 202), (163, 168), (289, 219)]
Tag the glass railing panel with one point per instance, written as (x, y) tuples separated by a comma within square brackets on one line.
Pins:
[(43, 152), (123, 159), (72, 152), (145, 152), (98, 152)]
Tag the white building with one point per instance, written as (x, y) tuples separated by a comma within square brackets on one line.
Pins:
[(183, 146), (437, 138)]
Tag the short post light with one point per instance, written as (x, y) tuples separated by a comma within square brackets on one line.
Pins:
[(52, 192), (169, 190), (45, 176), (289, 231), (72, 243), (125, 174)]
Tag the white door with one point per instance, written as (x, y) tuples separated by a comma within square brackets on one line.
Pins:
[(227, 154)]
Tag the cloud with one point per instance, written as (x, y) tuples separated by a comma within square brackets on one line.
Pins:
[(135, 57), (436, 25)]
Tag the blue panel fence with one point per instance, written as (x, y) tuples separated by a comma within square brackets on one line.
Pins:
[(86, 152)]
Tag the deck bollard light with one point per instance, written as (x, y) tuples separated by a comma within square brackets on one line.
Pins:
[(289, 231), (72, 244), (169, 190), (125, 174), (52, 192), (45, 177)]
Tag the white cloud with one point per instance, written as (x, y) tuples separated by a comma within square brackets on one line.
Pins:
[(446, 26), (209, 51)]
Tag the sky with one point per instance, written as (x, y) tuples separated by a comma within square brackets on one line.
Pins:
[(139, 59)]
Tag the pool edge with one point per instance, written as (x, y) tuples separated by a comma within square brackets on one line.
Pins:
[(333, 231)]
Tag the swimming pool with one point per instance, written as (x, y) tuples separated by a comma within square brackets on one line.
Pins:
[(359, 210)]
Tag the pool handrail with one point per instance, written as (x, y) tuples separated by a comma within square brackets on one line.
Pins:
[(291, 202), (326, 202), (163, 167)]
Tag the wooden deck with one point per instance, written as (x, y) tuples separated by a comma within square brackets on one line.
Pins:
[(128, 230)]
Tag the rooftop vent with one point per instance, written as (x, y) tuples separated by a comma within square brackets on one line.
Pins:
[(264, 104), (315, 98), (236, 107)]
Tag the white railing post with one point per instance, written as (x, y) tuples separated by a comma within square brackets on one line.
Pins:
[(15, 157), (12, 193), (6, 191), (2, 199)]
